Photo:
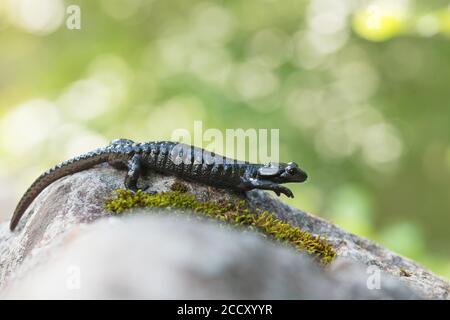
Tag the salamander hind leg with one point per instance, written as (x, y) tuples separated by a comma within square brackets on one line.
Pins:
[(250, 183)]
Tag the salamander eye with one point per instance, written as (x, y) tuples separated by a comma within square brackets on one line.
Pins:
[(291, 171)]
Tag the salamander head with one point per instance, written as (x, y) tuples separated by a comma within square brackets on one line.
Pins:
[(282, 173)]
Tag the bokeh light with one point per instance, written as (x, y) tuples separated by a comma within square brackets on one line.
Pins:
[(358, 89), (39, 17), (381, 19), (27, 126)]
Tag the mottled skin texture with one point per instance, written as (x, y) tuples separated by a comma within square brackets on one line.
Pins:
[(181, 160)]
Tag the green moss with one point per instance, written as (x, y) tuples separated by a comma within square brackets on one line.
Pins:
[(405, 273), (235, 213), (178, 186)]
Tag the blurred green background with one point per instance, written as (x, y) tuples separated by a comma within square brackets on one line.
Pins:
[(359, 89)]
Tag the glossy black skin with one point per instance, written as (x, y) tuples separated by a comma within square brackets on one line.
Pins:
[(181, 160)]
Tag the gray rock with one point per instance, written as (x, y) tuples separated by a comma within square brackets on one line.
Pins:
[(57, 253)]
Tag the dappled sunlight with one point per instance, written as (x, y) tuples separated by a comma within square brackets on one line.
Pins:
[(196, 45), (211, 23), (252, 81), (356, 81), (178, 112), (38, 17), (270, 48), (102, 91), (305, 55), (26, 127), (427, 25), (327, 25), (87, 99), (381, 144), (381, 19), (358, 90), (75, 140)]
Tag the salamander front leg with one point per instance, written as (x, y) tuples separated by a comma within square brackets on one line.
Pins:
[(134, 172), (250, 183)]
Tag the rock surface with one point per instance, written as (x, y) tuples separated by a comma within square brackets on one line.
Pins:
[(57, 253)]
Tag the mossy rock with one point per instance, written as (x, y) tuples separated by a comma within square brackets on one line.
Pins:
[(234, 212)]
